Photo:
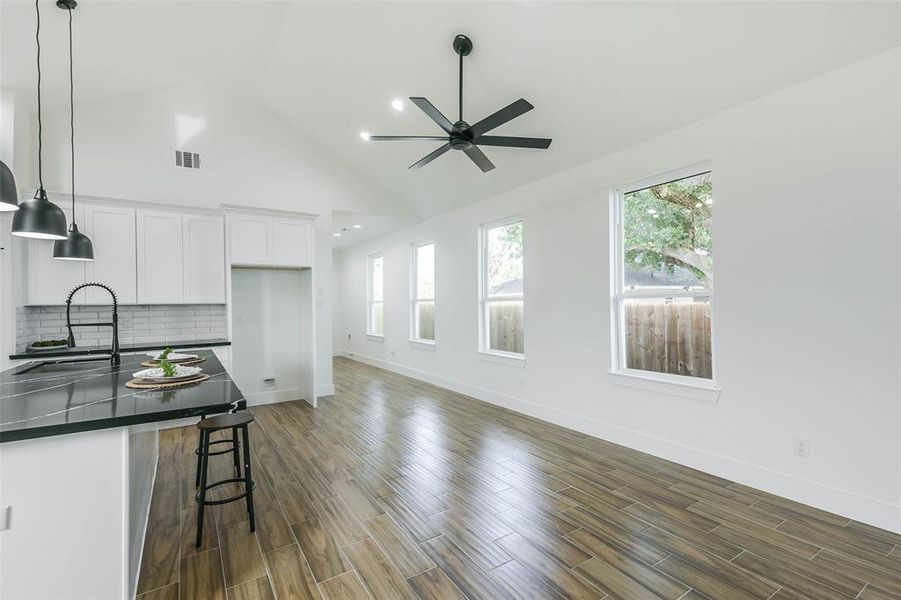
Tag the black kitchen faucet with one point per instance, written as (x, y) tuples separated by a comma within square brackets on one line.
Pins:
[(114, 351)]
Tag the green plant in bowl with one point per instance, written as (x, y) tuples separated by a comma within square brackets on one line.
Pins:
[(167, 367)]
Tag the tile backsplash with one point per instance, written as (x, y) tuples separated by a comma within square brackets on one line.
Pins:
[(138, 323)]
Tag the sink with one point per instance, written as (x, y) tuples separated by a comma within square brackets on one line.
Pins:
[(67, 366)]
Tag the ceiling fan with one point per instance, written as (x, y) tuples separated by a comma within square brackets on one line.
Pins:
[(463, 136)]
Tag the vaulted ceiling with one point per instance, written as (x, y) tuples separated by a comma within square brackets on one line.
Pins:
[(602, 76)]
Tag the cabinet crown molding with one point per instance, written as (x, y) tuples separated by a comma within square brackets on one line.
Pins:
[(274, 212)]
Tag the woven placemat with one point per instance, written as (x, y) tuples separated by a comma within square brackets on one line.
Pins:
[(140, 384), (185, 362)]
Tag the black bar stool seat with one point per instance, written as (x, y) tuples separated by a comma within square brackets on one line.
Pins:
[(234, 421)]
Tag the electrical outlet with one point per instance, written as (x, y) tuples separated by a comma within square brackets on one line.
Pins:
[(802, 447), (268, 383), (5, 513)]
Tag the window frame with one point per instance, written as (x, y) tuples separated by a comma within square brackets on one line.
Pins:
[(484, 346), (369, 297), (414, 292), (619, 293)]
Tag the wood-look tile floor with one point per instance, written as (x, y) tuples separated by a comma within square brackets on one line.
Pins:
[(394, 488)]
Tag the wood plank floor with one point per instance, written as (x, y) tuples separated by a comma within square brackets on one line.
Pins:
[(394, 488)]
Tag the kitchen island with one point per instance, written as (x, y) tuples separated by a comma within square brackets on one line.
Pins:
[(77, 462)]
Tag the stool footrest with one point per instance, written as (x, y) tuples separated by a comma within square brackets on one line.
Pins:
[(226, 451), (253, 486)]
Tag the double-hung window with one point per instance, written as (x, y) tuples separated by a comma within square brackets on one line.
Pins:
[(501, 288), (422, 296), (375, 308), (663, 277)]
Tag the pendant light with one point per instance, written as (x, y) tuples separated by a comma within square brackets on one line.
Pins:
[(76, 246), (9, 193), (39, 218)]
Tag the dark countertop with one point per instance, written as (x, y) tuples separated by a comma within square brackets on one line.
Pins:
[(84, 396), (90, 350)]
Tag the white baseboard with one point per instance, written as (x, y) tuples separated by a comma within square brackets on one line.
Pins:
[(344, 353), (872, 511), (325, 390)]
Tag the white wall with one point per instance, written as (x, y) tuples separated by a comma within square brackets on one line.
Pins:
[(806, 225), (125, 148)]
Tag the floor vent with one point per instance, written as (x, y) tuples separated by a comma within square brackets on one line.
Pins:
[(188, 160)]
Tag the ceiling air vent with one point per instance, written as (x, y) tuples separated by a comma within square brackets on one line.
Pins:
[(188, 160)]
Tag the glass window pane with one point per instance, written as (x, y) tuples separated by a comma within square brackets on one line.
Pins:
[(669, 335), (425, 320), (505, 330), (425, 271), (667, 236), (504, 260), (376, 319), (375, 269)]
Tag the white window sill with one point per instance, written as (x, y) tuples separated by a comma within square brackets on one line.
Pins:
[(703, 391), (511, 360), (375, 338), (423, 344)]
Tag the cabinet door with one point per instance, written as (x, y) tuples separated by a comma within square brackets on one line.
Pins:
[(249, 239), (204, 259), (50, 280), (112, 230), (290, 242), (160, 257)]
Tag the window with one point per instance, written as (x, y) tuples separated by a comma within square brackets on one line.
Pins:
[(375, 314), (501, 288), (422, 304), (663, 277)]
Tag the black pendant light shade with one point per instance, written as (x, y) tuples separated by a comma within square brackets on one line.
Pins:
[(77, 246), (40, 219), (9, 193)]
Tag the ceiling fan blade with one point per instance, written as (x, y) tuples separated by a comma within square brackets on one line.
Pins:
[(430, 157), (394, 138), (499, 118), (513, 142), (435, 114), (479, 158)]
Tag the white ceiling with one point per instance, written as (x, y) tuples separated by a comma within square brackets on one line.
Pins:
[(602, 75)]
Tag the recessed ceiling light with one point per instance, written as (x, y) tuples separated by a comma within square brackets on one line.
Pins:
[(397, 105), (336, 234), (358, 226), (364, 135)]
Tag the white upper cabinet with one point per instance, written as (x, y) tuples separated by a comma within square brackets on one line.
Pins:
[(112, 230), (204, 259), (250, 239), (160, 257), (291, 242), (262, 239), (49, 280)]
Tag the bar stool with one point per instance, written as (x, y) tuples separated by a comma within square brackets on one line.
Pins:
[(233, 421)]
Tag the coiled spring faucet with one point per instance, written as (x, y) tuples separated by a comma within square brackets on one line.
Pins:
[(114, 351)]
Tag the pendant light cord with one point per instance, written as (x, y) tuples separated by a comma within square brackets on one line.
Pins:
[(72, 114), (37, 37)]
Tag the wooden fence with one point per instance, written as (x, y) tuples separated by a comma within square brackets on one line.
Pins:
[(505, 326), (669, 337)]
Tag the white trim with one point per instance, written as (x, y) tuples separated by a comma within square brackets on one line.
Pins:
[(649, 380), (237, 208), (423, 344), (511, 359), (369, 300), (414, 291), (375, 338), (693, 388), (866, 509), (325, 390), (484, 298)]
